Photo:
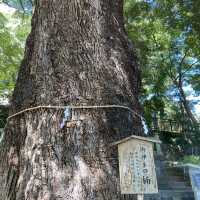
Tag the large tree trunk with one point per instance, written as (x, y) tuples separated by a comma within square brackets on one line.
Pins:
[(76, 54)]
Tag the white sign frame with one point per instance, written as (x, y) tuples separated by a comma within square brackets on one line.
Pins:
[(136, 165)]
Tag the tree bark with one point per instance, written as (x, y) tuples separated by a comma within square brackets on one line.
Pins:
[(76, 54), (186, 106), (183, 99)]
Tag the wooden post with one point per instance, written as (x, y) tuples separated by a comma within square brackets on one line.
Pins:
[(140, 197)]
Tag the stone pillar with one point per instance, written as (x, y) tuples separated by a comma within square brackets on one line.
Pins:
[(194, 173)]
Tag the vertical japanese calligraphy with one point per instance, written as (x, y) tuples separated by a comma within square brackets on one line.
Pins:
[(137, 169)]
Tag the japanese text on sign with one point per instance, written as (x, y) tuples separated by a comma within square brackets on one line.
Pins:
[(137, 169)]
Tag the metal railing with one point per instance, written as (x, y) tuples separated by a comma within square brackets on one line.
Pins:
[(172, 126)]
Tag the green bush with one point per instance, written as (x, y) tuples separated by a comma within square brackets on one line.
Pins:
[(191, 159)]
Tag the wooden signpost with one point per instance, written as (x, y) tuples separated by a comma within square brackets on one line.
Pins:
[(136, 166)]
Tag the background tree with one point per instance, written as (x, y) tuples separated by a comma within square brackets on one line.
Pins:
[(14, 28), (13, 32), (76, 54), (166, 36)]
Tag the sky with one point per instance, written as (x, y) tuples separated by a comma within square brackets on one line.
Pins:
[(192, 97), (6, 9)]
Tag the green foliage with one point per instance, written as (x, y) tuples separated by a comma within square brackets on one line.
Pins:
[(165, 34), (191, 160), (195, 81), (14, 30)]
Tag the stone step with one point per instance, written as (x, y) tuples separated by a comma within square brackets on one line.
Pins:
[(173, 183), (175, 180), (175, 176), (171, 195)]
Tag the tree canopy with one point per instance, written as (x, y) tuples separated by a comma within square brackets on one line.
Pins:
[(14, 28), (165, 35)]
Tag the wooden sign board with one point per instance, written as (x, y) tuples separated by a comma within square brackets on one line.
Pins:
[(136, 164)]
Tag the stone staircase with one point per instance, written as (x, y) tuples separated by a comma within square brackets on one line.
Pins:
[(173, 183)]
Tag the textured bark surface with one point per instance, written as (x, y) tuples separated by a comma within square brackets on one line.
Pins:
[(76, 54)]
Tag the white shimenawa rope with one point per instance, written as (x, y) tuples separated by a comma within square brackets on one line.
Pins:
[(84, 107), (75, 107)]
